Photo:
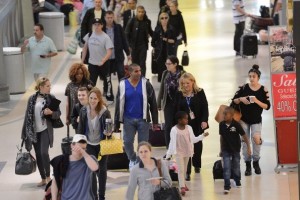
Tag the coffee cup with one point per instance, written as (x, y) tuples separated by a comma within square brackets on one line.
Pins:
[(251, 99)]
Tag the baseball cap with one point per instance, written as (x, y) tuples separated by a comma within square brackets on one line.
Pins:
[(79, 137), (97, 20)]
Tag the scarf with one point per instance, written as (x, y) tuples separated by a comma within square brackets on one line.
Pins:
[(28, 133), (172, 83)]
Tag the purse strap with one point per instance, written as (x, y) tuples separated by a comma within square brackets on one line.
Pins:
[(159, 167)]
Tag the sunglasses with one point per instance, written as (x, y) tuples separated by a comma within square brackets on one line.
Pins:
[(164, 18)]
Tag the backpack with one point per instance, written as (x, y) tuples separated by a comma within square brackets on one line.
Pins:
[(62, 164)]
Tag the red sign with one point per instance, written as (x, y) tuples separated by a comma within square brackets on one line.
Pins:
[(284, 95)]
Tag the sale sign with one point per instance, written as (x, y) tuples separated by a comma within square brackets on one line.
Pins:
[(284, 95)]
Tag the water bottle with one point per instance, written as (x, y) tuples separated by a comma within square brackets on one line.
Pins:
[(109, 125)]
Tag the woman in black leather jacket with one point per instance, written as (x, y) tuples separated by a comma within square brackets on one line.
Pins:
[(163, 42)]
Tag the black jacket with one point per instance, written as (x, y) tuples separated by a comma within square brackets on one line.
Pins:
[(178, 24), (75, 115), (87, 22), (199, 106), (157, 41), (126, 18), (132, 30), (120, 42), (83, 121)]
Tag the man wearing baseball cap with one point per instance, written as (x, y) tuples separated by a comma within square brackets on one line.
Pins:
[(99, 46), (73, 173)]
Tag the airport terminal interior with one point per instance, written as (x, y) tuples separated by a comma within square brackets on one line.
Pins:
[(218, 71)]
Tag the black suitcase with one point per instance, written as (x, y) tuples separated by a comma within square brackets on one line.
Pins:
[(249, 45), (157, 137), (118, 161), (66, 143)]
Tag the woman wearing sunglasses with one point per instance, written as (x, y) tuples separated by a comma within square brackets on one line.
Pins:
[(163, 42)]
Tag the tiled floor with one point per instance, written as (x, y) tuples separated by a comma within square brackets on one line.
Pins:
[(217, 70)]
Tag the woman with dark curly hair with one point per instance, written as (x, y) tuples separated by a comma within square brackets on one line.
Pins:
[(80, 77)]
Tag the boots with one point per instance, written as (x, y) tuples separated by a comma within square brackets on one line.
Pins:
[(256, 167), (248, 171)]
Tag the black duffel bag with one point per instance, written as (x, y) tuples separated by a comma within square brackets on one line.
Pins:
[(25, 162)]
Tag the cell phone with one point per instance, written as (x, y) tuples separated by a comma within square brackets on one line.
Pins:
[(42, 56)]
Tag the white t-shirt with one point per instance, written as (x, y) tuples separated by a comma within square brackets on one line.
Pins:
[(40, 123), (237, 16)]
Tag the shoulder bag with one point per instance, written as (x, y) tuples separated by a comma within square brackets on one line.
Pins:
[(25, 162), (185, 58), (168, 193), (111, 146)]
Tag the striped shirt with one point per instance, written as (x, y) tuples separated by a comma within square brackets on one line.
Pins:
[(237, 16)]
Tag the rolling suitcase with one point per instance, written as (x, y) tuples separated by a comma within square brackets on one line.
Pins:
[(157, 137), (118, 161), (249, 45), (66, 143)]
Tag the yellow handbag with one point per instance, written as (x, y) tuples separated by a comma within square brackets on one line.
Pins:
[(111, 146)]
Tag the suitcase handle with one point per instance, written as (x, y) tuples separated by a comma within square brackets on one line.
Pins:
[(68, 131)]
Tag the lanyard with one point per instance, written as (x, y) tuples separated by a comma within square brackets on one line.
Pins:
[(188, 101)]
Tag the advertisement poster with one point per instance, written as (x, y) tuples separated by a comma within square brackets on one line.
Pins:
[(283, 72), (284, 95), (283, 52)]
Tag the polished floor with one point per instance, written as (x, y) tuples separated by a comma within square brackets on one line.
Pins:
[(217, 70)]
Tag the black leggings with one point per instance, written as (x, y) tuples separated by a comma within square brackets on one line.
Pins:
[(41, 148)]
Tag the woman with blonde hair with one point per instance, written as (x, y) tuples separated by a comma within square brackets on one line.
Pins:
[(37, 127), (192, 100), (92, 124)]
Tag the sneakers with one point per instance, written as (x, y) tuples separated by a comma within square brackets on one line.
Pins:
[(226, 191), (109, 103), (238, 184), (131, 164)]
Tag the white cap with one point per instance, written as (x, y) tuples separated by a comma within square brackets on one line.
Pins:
[(78, 137)]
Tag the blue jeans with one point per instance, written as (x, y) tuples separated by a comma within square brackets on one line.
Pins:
[(251, 130), (131, 126), (231, 165)]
